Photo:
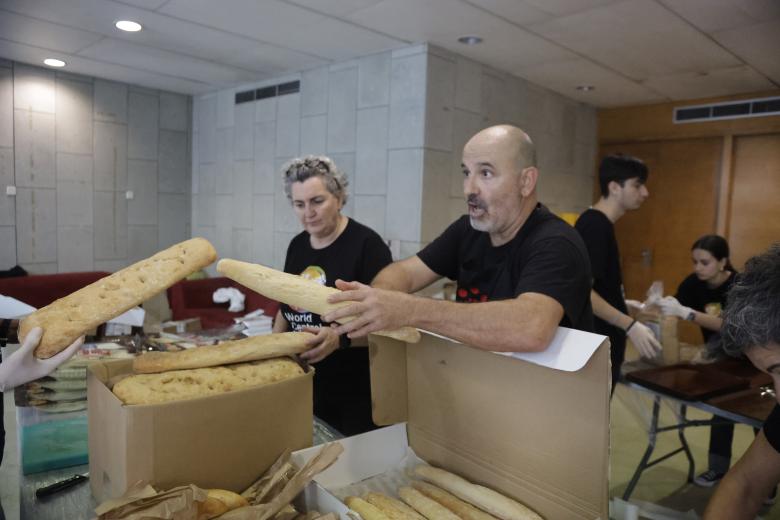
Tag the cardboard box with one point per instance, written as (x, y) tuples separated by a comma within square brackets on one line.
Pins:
[(512, 423), (223, 441)]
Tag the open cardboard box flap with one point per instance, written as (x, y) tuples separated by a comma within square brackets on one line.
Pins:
[(539, 435), (222, 441)]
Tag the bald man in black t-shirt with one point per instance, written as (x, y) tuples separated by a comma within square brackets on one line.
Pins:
[(521, 271)]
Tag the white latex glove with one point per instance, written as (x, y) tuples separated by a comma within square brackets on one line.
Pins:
[(644, 340), (671, 307), (635, 304), (22, 366), (231, 294)]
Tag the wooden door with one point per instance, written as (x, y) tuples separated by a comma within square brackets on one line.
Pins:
[(754, 208), (655, 240)]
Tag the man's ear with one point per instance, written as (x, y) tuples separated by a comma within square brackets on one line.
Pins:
[(528, 178), (613, 188)]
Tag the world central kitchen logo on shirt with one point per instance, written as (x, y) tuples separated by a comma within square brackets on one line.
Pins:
[(314, 273)]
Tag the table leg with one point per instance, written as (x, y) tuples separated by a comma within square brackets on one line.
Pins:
[(651, 438), (684, 442)]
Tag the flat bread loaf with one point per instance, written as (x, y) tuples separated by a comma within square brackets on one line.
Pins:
[(240, 351), (179, 385), (64, 320), (297, 291)]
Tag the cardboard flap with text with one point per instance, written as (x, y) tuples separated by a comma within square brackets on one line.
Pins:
[(535, 433)]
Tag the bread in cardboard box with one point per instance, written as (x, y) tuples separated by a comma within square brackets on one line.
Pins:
[(249, 349), (179, 385)]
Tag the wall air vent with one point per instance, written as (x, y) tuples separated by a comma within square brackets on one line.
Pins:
[(729, 110), (246, 96)]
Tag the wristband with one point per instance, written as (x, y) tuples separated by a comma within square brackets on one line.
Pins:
[(629, 326), (691, 316), (5, 326)]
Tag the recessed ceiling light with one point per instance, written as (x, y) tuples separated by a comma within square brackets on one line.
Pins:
[(585, 88), (470, 40), (128, 26), (52, 62)]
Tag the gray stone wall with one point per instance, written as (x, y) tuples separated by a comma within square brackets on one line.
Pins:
[(368, 114), (396, 123), (465, 96), (101, 170)]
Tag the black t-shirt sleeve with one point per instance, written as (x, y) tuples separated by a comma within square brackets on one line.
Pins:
[(595, 234), (772, 428), (556, 269), (441, 255), (376, 256)]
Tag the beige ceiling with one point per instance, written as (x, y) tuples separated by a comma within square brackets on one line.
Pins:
[(632, 51)]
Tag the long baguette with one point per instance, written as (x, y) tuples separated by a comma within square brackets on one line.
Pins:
[(429, 508), (243, 350), (484, 498), (64, 320), (463, 509), (395, 509), (297, 291), (364, 509)]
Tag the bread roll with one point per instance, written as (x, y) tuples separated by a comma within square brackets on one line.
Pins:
[(297, 291), (219, 502), (240, 351), (364, 509), (394, 509), (429, 508), (484, 498), (200, 382), (64, 320), (463, 509)]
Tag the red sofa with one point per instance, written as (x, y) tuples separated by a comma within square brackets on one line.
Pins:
[(193, 299), (40, 290)]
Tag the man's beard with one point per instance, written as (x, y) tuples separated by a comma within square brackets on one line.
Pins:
[(479, 225)]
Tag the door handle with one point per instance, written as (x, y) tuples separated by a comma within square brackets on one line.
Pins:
[(647, 257)]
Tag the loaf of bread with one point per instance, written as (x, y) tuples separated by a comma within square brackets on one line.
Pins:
[(240, 351), (297, 291), (463, 509), (427, 507), (484, 498), (64, 320), (179, 385), (394, 509), (364, 509)]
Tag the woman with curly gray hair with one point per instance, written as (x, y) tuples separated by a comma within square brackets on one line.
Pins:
[(331, 246), (751, 325)]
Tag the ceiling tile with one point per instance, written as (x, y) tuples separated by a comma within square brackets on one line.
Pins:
[(336, 8), (719, 82), (149, 59), (80, 65), (146, 4), (289, 26), (640, 38), (710, 15), (758, 45), (518, 12), (92, 15), (566, 7), (23, 29), (441, 22), (611, 89)]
